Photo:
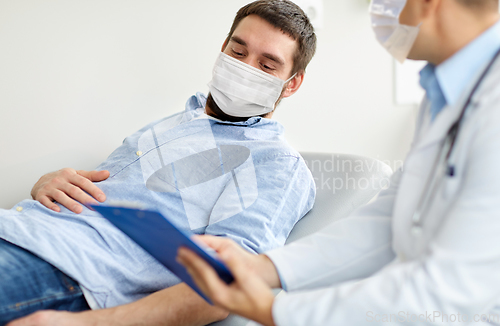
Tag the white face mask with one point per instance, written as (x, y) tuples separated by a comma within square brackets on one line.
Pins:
[(396, 38), (241, 90)]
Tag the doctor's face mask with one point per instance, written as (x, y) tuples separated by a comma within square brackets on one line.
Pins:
[(396, 38), (241, 90)]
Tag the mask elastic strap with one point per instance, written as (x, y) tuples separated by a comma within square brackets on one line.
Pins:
[(286, 81)]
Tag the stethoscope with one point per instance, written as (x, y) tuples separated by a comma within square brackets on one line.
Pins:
[(442, 164)]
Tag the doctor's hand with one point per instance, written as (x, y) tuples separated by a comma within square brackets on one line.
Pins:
[(69, 187), (250, 293)]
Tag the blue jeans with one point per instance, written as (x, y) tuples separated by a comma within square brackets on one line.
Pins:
[(28, 284)]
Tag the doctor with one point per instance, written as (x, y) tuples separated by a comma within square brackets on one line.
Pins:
[(427, 251)]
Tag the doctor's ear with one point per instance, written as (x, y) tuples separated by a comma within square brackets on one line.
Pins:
[(294, 84)]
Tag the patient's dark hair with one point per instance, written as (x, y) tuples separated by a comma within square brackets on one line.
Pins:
[(289, 18)]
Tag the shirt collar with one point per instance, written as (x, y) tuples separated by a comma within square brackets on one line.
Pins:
[(197, 104), (456, 73)]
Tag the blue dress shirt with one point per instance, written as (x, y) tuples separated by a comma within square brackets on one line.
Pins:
[(240, 180)]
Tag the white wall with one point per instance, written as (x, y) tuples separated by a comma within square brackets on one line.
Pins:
[(76, 77)]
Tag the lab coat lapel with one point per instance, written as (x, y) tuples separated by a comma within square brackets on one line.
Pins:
[(440, 126)]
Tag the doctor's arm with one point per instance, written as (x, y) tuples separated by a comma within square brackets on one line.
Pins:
[(456, 275), (455, 279)]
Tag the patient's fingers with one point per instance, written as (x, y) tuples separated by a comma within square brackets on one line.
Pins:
[(76, 193), (45, 201), (85, 179), (94, 176), (63, 199)]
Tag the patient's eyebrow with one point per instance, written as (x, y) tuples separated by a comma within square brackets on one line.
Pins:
[(270, 56), (274, 58), (238, 40)]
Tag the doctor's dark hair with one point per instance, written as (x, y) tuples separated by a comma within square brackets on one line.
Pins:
[(290, 19), (480, 5)]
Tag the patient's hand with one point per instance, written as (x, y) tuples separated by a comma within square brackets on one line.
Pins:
[(69, 188)]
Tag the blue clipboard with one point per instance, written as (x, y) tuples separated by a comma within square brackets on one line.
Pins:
[(162, 239)]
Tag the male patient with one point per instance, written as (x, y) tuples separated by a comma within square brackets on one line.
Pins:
[(219, 167)]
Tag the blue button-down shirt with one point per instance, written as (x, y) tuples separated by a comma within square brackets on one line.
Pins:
[(240, 180), (445, 83)]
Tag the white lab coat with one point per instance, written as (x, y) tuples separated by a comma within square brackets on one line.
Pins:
[(452, 269)]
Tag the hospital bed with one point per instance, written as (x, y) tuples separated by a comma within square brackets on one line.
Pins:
[(344, 183)]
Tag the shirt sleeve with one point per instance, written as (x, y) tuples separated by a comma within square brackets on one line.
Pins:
[(286, 192), (456, 278)]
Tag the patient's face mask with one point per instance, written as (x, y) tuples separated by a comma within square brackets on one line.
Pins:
[(241, 90), (396, 38)]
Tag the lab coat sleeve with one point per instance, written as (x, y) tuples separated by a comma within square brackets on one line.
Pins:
[(456, 279), (352, 248)]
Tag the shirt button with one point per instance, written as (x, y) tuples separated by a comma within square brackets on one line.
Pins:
[(19, 209), (138, 153)]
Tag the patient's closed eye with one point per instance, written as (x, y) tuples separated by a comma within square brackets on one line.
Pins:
[(267, 67), (237, 53)]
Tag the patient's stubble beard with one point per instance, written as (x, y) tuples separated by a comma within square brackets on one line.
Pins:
[(216, 112)]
